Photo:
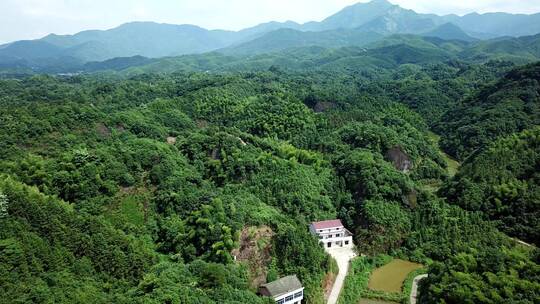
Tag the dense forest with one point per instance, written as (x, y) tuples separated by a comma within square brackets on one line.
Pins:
[(143, 187)]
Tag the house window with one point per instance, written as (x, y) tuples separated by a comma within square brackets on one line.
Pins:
[(346, 242), (298, 294), (281, 301), (289, 298), (329, 245)]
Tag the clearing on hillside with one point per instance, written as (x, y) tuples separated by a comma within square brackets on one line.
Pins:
[(453, 165), (254, 250)]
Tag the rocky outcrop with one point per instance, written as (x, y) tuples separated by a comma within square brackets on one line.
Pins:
[(410, 199), (323, 106), (399, 159)]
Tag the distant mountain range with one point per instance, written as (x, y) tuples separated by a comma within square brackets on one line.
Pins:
[(387, 53), (357, 25)]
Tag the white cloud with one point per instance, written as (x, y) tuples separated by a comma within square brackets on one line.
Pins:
[(28, 19)]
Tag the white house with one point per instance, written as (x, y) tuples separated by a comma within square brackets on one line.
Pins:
[(287, 290), (332, 233)]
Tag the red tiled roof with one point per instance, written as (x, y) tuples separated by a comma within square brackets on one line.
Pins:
[(327, 224)]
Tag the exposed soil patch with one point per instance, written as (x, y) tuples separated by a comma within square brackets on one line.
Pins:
[(201, 123), (328, 283), (411, 198), (399, 159), (103, 130), (254, 250), (128, 190), (120, 128), (323, 106)]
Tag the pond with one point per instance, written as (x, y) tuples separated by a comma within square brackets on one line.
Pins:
[(390, 277)]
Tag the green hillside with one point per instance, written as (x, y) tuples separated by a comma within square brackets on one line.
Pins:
[(296, 53), (505, 49), (449, 31), (284, 39), (136, 189), (510, 105), (502, 182)]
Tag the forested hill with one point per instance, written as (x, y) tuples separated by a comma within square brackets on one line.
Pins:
[(293, 52), (502, 182), (139, 189), (339, 50), (503, 108)]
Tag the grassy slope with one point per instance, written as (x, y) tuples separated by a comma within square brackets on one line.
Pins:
[(451, 163), (452, 167)]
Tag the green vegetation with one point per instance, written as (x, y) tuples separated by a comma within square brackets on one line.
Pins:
[(508, 106), (473, 278), (407, 284), (378, 278), (136, 189), (451, 164), (502, 182), (356, 282)]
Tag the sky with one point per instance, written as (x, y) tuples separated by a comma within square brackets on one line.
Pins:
[(31, 19)]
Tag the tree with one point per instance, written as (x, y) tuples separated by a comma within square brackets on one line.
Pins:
[(211, 233)]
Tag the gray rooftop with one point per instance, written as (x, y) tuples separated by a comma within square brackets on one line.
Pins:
[(283, 285)]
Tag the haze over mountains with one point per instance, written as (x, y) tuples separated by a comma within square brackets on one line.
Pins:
[(357, 25)]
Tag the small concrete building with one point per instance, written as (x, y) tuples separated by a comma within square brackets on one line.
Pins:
[(332, 233), (287, 290)]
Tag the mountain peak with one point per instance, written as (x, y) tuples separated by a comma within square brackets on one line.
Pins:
[(357, 14), (386, 2), (374, 3)]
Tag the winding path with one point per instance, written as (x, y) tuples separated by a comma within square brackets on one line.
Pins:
[(342, 256), (414, 289), (523, 243)]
